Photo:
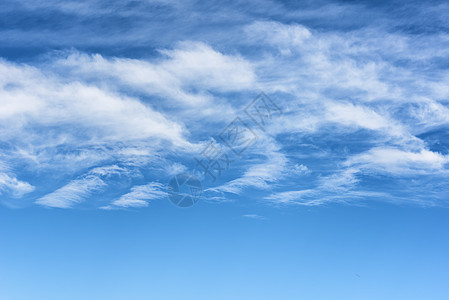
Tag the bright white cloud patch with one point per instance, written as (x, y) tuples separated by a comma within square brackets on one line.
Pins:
[(30, 99), (191, 65), (396, 161)]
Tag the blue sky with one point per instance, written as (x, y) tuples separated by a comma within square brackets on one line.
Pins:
[(341, 193)]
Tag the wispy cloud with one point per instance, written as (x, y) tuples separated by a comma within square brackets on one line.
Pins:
[(294, 197), (73, 193), (139, 196), (190, 66), (13, 186), (286, 38), (259, 175), (254, 217)]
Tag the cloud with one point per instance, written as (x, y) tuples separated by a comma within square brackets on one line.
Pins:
[(299, 169), (399, 162), (175, 169), (35, 100), (56, 117), (192, 65), (139, 196), (13, 186), (197, 64), (107, 171), (97, 180), (281, 36), (73, 193), (301, 197), (253, 216), (341, 181), (338, 187), (355, 116), (348, 186), (57, 125), (259, 175), (357, 103)]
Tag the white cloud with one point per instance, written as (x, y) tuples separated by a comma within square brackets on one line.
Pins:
[(428, 114), (342, 186), (399, 162), (139, 196), (190, 65), (110, 170), (259, 175), (197, 64), (72, 193), (253, 216), (82, 110), (30, 98), (299, 169), (13, 186), (342, 181), (290, 197), (282, 36), (175, 169), (349, 114), (72, 114), (79, 190), (62, 126)]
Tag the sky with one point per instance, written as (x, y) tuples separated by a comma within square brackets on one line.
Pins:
[(316, 134)]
